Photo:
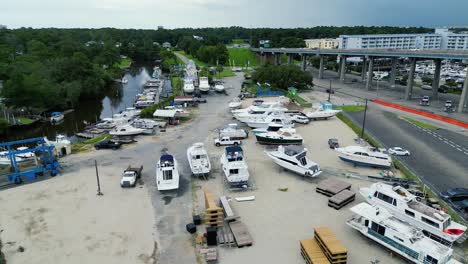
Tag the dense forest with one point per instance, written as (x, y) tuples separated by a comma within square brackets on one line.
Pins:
[(55, 68)]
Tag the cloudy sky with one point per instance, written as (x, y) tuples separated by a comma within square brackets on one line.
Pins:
[(216, 13)]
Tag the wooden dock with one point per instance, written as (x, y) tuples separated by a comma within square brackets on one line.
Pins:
[(333, 249), (330, 187), (312, 253), (341, 199), (241, 234)]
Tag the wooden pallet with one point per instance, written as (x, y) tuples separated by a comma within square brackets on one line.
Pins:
[(241, 234), (312, 253), (225, 237), (330, 187), (341, 199), (333, 249)]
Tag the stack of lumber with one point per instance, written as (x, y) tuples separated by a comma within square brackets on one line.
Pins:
[(333, 249), (330, 187), (213, 213), (312, 253), (341, 199)]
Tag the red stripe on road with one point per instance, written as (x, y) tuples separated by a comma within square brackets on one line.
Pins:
[(423, 113)]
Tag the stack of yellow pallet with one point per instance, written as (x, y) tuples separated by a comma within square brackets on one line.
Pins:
[(214, 213), (333, 249), (312, 253)]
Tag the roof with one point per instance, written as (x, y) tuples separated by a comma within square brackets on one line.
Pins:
[(164, 113)]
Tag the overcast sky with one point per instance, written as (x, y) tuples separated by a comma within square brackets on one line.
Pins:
[(215, 13)]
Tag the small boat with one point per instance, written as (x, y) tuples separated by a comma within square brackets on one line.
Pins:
[(143, 103), (56, 117), (126, 130), (130, 112), (144, 123), (365, 156), (219, 87), (124, 80), (233, 131), (294, 158), (400, 202), (188, 86), (284, 136), (325, 111), (198, 160), (235, 103), (167, 173), (379, 225), (25, 155), (234, 167), (204, 86)]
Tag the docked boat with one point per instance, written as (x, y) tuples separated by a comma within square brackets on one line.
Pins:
[(284, 136), (219, 87), (234, 167), (266, 120), (167, 173), (198, 160), (124, 80), (272, 127), (365, 156), (143, 103), (294, 158), (325, 111), (376, 223), (204, 86), (144, 123), (130, 112), (56, 117), (235, 103), (126, 130), (110, 123), (435, 224), (188, 86), (233, 131)]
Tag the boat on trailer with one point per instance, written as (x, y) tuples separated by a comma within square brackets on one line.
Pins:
[(365, 156), (294, 158), (167, 173), (234, 167), (376, 223), (198, 159), (284, 136)]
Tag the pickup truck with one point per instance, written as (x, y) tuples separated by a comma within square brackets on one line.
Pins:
[(227, 141), (130, 176)]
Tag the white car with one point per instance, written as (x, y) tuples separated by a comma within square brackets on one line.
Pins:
[(300, 119), (399, 151), (227, 141)]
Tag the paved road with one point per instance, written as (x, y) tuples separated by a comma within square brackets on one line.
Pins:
[(439, 157)]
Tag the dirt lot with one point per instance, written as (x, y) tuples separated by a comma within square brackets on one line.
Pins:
[(61, 220), (277, 220)]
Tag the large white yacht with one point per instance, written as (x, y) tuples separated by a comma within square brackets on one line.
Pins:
[(365, 156), (265, 121), (435, 224), (204, 86), (167, 173), (272, 127), (233, 131), (198, 159), (325, 111), (376, 223), (284, 136), (234, 166), (126, 130), (294, 158), (259, 112)]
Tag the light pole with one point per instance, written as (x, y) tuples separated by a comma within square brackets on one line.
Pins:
[(329, 91), (364, 121), (99, 193)]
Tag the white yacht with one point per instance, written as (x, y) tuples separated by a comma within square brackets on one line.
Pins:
[(198, 160), (25, 155), (435, 224), (204, 86), (272, 127), (376, 223), (272, 117), (126, 130), (234, 166), (188, 86), (365, 156), (294, 158), (56, 117), (233, 132), (322, 114), (235, 103), (144, 123), (219, 87), (130, 112), (258, 112), (260, 107), (284, 136), (167, 173), (110, 123), (5, 159)]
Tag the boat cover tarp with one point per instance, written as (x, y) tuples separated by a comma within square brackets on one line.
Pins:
[(167, 157)]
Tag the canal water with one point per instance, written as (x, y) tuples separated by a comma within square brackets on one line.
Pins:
[(117, 98)]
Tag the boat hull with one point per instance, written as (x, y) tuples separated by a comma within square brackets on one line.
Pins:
[(293, 168), (364, 163), (277, 141)]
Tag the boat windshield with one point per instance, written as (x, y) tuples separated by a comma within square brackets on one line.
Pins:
[(235, 156)]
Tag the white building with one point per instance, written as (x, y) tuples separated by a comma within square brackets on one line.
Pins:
[(325, 43), (166, 45), (441, 39)]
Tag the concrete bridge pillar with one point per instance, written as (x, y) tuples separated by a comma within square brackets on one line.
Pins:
[(435, 82), (364, 68), (339, 65), (290, 59), (320, 75), (304, 62), (464, 95), (342, 69), (393, 72), (409, 86), (277, 59), (370, 73)]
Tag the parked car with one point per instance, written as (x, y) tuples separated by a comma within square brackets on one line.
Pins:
[(424, 100), (455, 194), (461, 206), (107, 144), (130, 176), (301, 119), (426, 87), (333, 143), (398, 151), (443, 89), (227, 141)]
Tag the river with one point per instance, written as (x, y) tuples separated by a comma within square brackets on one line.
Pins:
[(116, 99)]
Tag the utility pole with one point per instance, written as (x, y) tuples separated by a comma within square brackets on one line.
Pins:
[(364, 121), (99, 193), (329, 92)]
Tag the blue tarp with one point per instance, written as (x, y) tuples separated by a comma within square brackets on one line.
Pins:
[(167, 157)]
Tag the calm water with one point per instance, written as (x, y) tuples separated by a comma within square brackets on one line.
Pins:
[(117, 98)]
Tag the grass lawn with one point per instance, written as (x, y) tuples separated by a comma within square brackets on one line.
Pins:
[(124, 63), (24, 120), (87, 145), (352, 108), (176, 83), (241, 56), (421, 124), (227, 72)]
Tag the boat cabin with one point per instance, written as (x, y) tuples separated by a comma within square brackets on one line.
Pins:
[(234, 153)]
